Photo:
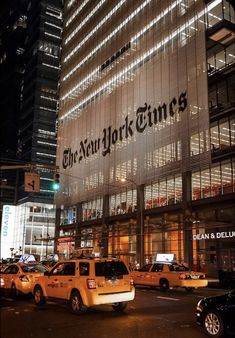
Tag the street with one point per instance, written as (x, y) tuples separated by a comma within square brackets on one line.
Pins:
[(151, 314)]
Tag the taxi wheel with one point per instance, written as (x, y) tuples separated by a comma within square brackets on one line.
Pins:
[(39, 299), (118, 307), (76, 303), (164, 284), (14, 291), (213, 324)]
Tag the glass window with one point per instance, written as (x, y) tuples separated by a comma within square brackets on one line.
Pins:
[(148, 197), (222, 93), (170, 191), (92, 209), (157, 268), (231, 86), (232, 131), (84, 269), (230, 54), (123, 202), (194, 144), (212, 97), (178, 189), (146, 267), (220, 59), (34, 268), (215, 138), (211, 64), (110, 269), (224, 135), (162, 193), (215, 181), (205, 183), (155, 195), (12, 269), (215, 15), (226, 170)]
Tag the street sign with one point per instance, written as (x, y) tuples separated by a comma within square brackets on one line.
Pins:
[(31, 182)]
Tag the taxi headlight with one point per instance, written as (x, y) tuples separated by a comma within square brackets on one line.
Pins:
[(199, 306)]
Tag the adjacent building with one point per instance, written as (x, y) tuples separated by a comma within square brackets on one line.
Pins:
[(31, 50)]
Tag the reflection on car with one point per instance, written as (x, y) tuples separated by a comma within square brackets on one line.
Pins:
[(86, 282), (166, 275), (217, 314), (19, 278)]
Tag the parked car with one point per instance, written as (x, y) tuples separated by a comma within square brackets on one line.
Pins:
[(166, 275), (217, 314), (19, 278), (86, 282)]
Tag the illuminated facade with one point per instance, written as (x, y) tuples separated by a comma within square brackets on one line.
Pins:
[(145, 144)]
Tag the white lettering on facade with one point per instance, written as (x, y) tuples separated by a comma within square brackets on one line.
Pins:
[(212, 235)]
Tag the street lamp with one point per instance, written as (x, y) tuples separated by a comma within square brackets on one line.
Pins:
[(140, 212)]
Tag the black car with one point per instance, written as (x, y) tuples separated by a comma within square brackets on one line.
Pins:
[(217, 314)]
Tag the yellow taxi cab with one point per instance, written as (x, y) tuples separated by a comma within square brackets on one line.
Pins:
[(169, 275), (19, 278), (85, 282)]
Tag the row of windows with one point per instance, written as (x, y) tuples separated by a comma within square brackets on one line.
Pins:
[(223, 133), (222, 93), (164, 192), (216, 180), (222, 11), (221, 59)]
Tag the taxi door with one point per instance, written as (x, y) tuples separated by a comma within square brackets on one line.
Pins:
[(143, 276), (156, 273), (10, 275), (60, 280)]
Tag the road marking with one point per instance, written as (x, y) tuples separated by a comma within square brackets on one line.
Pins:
[(168, 298)]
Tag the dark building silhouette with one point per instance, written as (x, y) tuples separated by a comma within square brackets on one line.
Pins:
[(30, 46)]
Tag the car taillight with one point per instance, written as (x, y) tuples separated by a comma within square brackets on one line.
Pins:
[(91, 283), (23, 278), (184, 276)]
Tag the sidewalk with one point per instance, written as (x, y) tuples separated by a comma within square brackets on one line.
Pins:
[(213, 283)]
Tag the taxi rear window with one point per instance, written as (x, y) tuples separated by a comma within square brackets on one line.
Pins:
[(33, 268), (110, 269)]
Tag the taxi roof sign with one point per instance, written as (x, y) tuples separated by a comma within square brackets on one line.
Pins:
[(165, 257)]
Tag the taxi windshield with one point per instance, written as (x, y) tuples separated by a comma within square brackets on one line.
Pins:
[(33, 268)]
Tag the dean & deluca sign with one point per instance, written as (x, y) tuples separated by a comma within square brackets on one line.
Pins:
[(214, 235)]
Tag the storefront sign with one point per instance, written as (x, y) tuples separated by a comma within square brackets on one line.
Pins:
[(8, 222), (215, 235), (146, 116)]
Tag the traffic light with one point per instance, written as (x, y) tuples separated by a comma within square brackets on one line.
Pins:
[(56, 182)]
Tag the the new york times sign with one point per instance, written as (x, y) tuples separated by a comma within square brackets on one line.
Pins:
[(146, 116)]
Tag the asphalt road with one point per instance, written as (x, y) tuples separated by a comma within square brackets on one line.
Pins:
[(152, 314)]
